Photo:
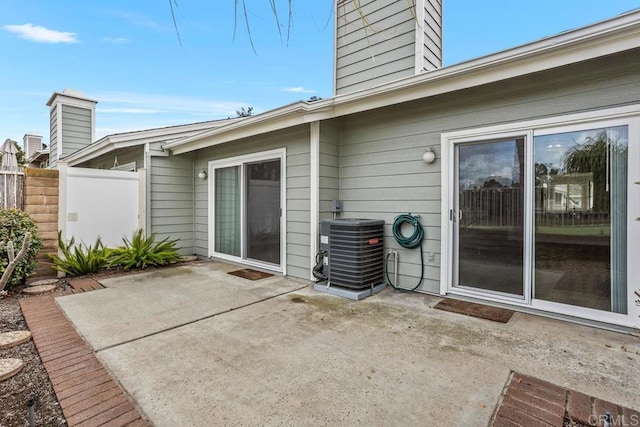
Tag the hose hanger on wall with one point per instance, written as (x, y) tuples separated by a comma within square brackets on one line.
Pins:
[(412, 241)]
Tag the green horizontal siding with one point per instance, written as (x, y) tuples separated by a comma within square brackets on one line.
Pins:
[(53, 138), (329, 168), (296, 142), (76, 128), (381, 172), (171, 199), (375, 43)]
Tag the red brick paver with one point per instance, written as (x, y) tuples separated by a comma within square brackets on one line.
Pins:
[(84, 284), (87, 394), (531, 402)]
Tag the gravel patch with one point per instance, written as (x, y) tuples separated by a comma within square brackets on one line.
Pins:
[(31, 382)]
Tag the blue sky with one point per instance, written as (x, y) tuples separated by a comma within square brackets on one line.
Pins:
[(126, 55)]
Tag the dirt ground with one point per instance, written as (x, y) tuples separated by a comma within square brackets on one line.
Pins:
[(31, 382)]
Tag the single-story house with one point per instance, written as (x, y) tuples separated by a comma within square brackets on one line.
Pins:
[(532, 201)]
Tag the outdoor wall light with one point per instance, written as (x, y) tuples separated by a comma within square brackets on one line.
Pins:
[(202, 174), (429, 156)]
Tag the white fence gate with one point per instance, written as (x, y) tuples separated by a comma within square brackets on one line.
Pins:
[(97, 202)]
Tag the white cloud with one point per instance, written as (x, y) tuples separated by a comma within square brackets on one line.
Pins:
[(130, 110), (119, 40), (298, 89), (40, 34), (144, 103)]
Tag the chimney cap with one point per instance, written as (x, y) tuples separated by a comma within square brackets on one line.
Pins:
[(73, 92), (70, 93)]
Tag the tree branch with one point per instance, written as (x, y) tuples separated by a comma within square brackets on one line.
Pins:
[(13, 261)]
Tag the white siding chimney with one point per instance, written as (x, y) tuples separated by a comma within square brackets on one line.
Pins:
[(378, 41), (72, 124)]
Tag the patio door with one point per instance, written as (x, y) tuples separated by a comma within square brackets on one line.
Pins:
[(488, 218), (544, 216), (246, 222), (581, 217)]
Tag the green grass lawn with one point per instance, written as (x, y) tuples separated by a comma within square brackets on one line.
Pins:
[(576, 230)]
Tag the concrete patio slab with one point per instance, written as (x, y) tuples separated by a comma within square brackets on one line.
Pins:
[(306, 358), (137, 305)]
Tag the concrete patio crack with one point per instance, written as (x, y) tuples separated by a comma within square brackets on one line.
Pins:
[(199, 319)]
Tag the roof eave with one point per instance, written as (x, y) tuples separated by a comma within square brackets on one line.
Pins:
[(131, 139), (608, 37), (38, 155), (287, 116), (576, 46)]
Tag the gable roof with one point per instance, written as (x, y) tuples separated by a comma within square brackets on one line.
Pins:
[(116, 141), (611, 36)]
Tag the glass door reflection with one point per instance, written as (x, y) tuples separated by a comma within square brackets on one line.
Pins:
[(263, 211), (580, 218), (490, 216)]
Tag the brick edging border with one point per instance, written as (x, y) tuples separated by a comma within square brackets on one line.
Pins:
[(528, 401), (86, 392)]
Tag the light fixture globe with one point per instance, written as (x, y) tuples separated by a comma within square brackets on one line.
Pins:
[(429, 156)]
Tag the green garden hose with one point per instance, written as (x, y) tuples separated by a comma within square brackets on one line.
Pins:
[(409, 242)]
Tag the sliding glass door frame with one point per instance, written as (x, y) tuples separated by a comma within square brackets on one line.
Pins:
[(454, 215), (241, 162), (633, 191), (621, 116)]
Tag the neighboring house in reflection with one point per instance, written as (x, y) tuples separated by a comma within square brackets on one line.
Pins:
[(569, 192)]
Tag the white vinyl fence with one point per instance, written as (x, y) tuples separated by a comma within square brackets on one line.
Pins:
[(97, 202)]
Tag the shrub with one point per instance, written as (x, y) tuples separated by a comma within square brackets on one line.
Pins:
[(81, 259), (14, 224), (141, 251)]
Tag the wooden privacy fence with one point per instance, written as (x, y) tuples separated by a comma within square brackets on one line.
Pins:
[(502, 207), (12, 189)]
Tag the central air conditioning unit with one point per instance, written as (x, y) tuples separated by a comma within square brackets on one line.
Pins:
[(354, 252)]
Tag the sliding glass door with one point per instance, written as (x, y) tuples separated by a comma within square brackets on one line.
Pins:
[(228, 209), (490, 216), (581, 218), (247, 205), (540, 218), (263, 211)]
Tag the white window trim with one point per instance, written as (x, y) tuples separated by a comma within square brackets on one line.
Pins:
[(277, 154), (628, 115)]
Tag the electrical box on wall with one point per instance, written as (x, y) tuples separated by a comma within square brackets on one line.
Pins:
[(336, 206)]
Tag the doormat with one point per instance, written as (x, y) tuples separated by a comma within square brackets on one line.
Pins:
[(496, 314), (250, 274)]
